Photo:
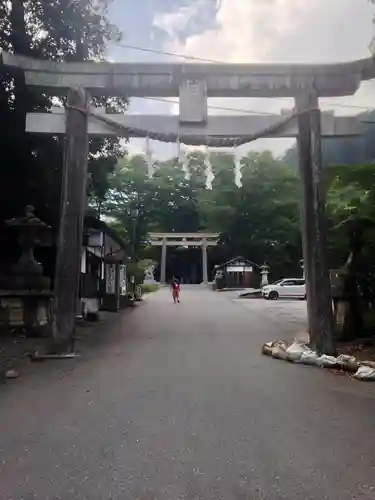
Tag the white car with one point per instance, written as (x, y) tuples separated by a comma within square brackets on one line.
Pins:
[(288, 288)]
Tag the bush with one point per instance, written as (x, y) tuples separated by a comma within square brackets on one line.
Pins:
[(150, 287), (133, 270)]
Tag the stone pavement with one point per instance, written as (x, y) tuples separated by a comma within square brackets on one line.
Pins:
[(14, 348), (290, 316), (175, 402)]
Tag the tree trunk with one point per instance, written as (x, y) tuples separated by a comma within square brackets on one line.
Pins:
[(353, 325), (22, 103), (20, 44)]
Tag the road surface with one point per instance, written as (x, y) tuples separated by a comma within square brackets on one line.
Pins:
[(175, 402)]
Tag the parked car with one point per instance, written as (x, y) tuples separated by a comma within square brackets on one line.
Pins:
[(285, 288)]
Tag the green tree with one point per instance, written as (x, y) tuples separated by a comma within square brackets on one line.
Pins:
[(56, 30), (218, 204), (166, 202), (176, 198), (346, 150), (350, 208), (129, 201), (260, 220), (350, 195)]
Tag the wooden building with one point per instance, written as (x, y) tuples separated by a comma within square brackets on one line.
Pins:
[(103, 283), (236, 273)]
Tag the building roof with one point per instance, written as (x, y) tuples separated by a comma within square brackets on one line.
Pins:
[(92, 222), (232, 261)]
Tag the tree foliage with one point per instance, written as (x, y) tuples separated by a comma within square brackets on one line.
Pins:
[(260, 220), (58, 30), (350, 196), (129, 201), (345, 150), (351, 216)]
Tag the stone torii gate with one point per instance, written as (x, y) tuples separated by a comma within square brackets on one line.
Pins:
[(193, 83), (164, 240)]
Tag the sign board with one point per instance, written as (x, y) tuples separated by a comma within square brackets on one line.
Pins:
[(193, 101), (83, 261), (239, 269), (95, 239), (122, 279), (110, 285), (372, 47)]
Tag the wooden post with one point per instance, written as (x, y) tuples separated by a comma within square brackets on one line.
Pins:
[(73, 204), (117, 285), (163, 261), (204, 262), (319, 303)]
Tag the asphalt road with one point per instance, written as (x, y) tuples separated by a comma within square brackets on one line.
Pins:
[(175, 402)]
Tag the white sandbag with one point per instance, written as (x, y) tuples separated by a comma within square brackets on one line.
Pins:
[(295, 351), (279, 351), (348, 363), (327, 361), (267, 349), (309, 358), (365, 373), (280, 343), (371, 364)]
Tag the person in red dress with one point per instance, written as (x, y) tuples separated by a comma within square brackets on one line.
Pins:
[(175, 286)]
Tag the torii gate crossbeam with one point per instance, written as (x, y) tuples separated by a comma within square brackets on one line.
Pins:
[(220, 80), (215, 125)]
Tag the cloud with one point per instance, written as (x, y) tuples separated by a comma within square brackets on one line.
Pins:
[(186, 17), (264, 31), (160, 151), (174, 22), (277, 31), (281, 30)]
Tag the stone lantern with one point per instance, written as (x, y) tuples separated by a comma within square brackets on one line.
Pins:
[(32, 232), (264, 272), (25, 302), (302, 263)]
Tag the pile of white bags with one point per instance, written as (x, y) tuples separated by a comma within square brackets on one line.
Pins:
[(327, 361), (365, 373), (295, 351), (348, 363), (301, 353)]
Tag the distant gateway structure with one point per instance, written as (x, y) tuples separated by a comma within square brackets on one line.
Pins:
[(164, 240)]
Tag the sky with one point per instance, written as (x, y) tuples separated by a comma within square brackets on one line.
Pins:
[(304, 31)]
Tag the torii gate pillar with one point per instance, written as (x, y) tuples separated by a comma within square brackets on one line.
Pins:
[(204, 262), (163, 265), (73, 203), (318, 288), (184, 240)]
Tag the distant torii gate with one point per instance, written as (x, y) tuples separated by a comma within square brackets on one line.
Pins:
[(193, 83), (164, 240)]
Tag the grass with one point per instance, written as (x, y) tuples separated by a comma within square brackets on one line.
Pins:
[(149, 287)]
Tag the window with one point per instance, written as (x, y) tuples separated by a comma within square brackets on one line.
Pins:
[(294, 282)]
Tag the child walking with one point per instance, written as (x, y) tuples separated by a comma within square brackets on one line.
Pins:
[(175, 285)]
